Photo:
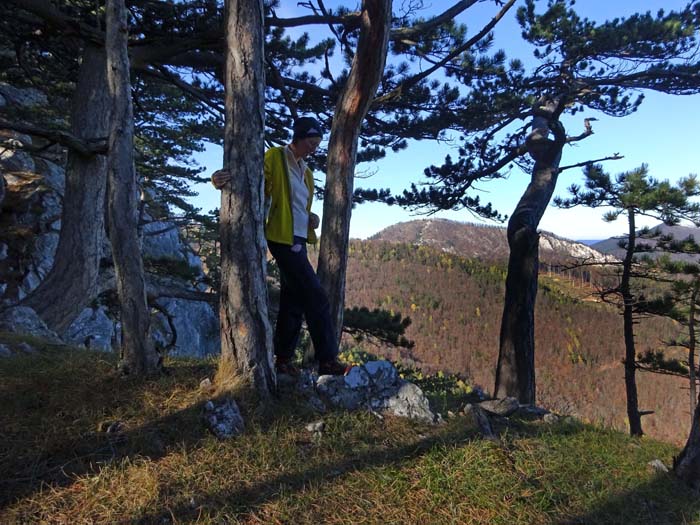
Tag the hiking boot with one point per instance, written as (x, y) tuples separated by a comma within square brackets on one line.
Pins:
[(285, 366), (333, 368)]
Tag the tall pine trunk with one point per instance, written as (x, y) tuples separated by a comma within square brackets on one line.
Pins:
[(515, 370), (138, 353), (71, 283), (353, 104), (691, 347), (687, 465), (633, 415), (246, 336)]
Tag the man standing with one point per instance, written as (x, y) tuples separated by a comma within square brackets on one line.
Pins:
[(290, 225)]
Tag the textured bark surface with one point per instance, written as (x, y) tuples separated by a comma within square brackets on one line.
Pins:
[(357, 95), (687, 464), (691, 348), (72, 281), (635, 419), (138, 353), (246, 336), (3, 187), (515, 371)]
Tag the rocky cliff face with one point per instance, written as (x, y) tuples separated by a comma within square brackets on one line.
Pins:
[(30, 222)]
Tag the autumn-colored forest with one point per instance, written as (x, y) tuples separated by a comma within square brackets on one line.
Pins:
[(455, 305)]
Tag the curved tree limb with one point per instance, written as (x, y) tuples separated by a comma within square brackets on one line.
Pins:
[(64, 138)]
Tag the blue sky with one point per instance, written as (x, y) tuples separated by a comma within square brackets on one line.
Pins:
[(663, 133)]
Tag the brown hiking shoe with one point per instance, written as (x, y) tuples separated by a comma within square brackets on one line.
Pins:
[(333, 368), (285, 366)]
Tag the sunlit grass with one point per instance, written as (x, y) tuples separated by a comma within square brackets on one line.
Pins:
[(58, 463)]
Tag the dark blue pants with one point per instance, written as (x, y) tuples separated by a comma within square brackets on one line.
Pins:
[(301, 295)]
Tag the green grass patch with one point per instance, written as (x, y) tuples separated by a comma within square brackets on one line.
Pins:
[(59, 463)]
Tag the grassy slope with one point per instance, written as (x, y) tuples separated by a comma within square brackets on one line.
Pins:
[(59, 465)]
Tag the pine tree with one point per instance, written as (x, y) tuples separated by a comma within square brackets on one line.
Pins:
[(633, 194)]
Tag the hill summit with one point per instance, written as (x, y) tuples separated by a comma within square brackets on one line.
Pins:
[(487, 243)]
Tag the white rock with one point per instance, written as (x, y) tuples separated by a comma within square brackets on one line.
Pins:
[(658, 465), (316, 426), (357, 377), (382, 372), (409, 401)]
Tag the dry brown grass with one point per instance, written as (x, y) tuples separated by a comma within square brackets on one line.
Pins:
[(58, 465)]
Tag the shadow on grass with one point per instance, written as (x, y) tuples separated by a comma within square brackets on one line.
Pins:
[(665, 500), (252, 496), (67, 413)]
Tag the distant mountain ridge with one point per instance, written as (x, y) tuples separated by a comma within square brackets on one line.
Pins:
[(487, 243), (612, 245)]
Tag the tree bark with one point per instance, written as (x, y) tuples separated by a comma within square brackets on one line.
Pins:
[(3, 187), (687, 465), (246, 335), (358, 92), (691, 347), (72, 281), (138, 355), (515, 370), (633, 415)]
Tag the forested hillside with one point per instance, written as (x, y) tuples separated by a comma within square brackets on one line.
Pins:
[(455, 305)]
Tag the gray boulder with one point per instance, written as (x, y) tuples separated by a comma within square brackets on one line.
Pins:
[(196, 327), (16, 160), (41, 260), (93, 329), (224, 418), (408, 401), (24, 320), (341, 394), (27, 97), (501, 407), (378, 387), (161, 241)]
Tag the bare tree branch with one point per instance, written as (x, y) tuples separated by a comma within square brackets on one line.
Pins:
[(412, 81), (64, 138), (161, 72), (614, 156), (409, 34)]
